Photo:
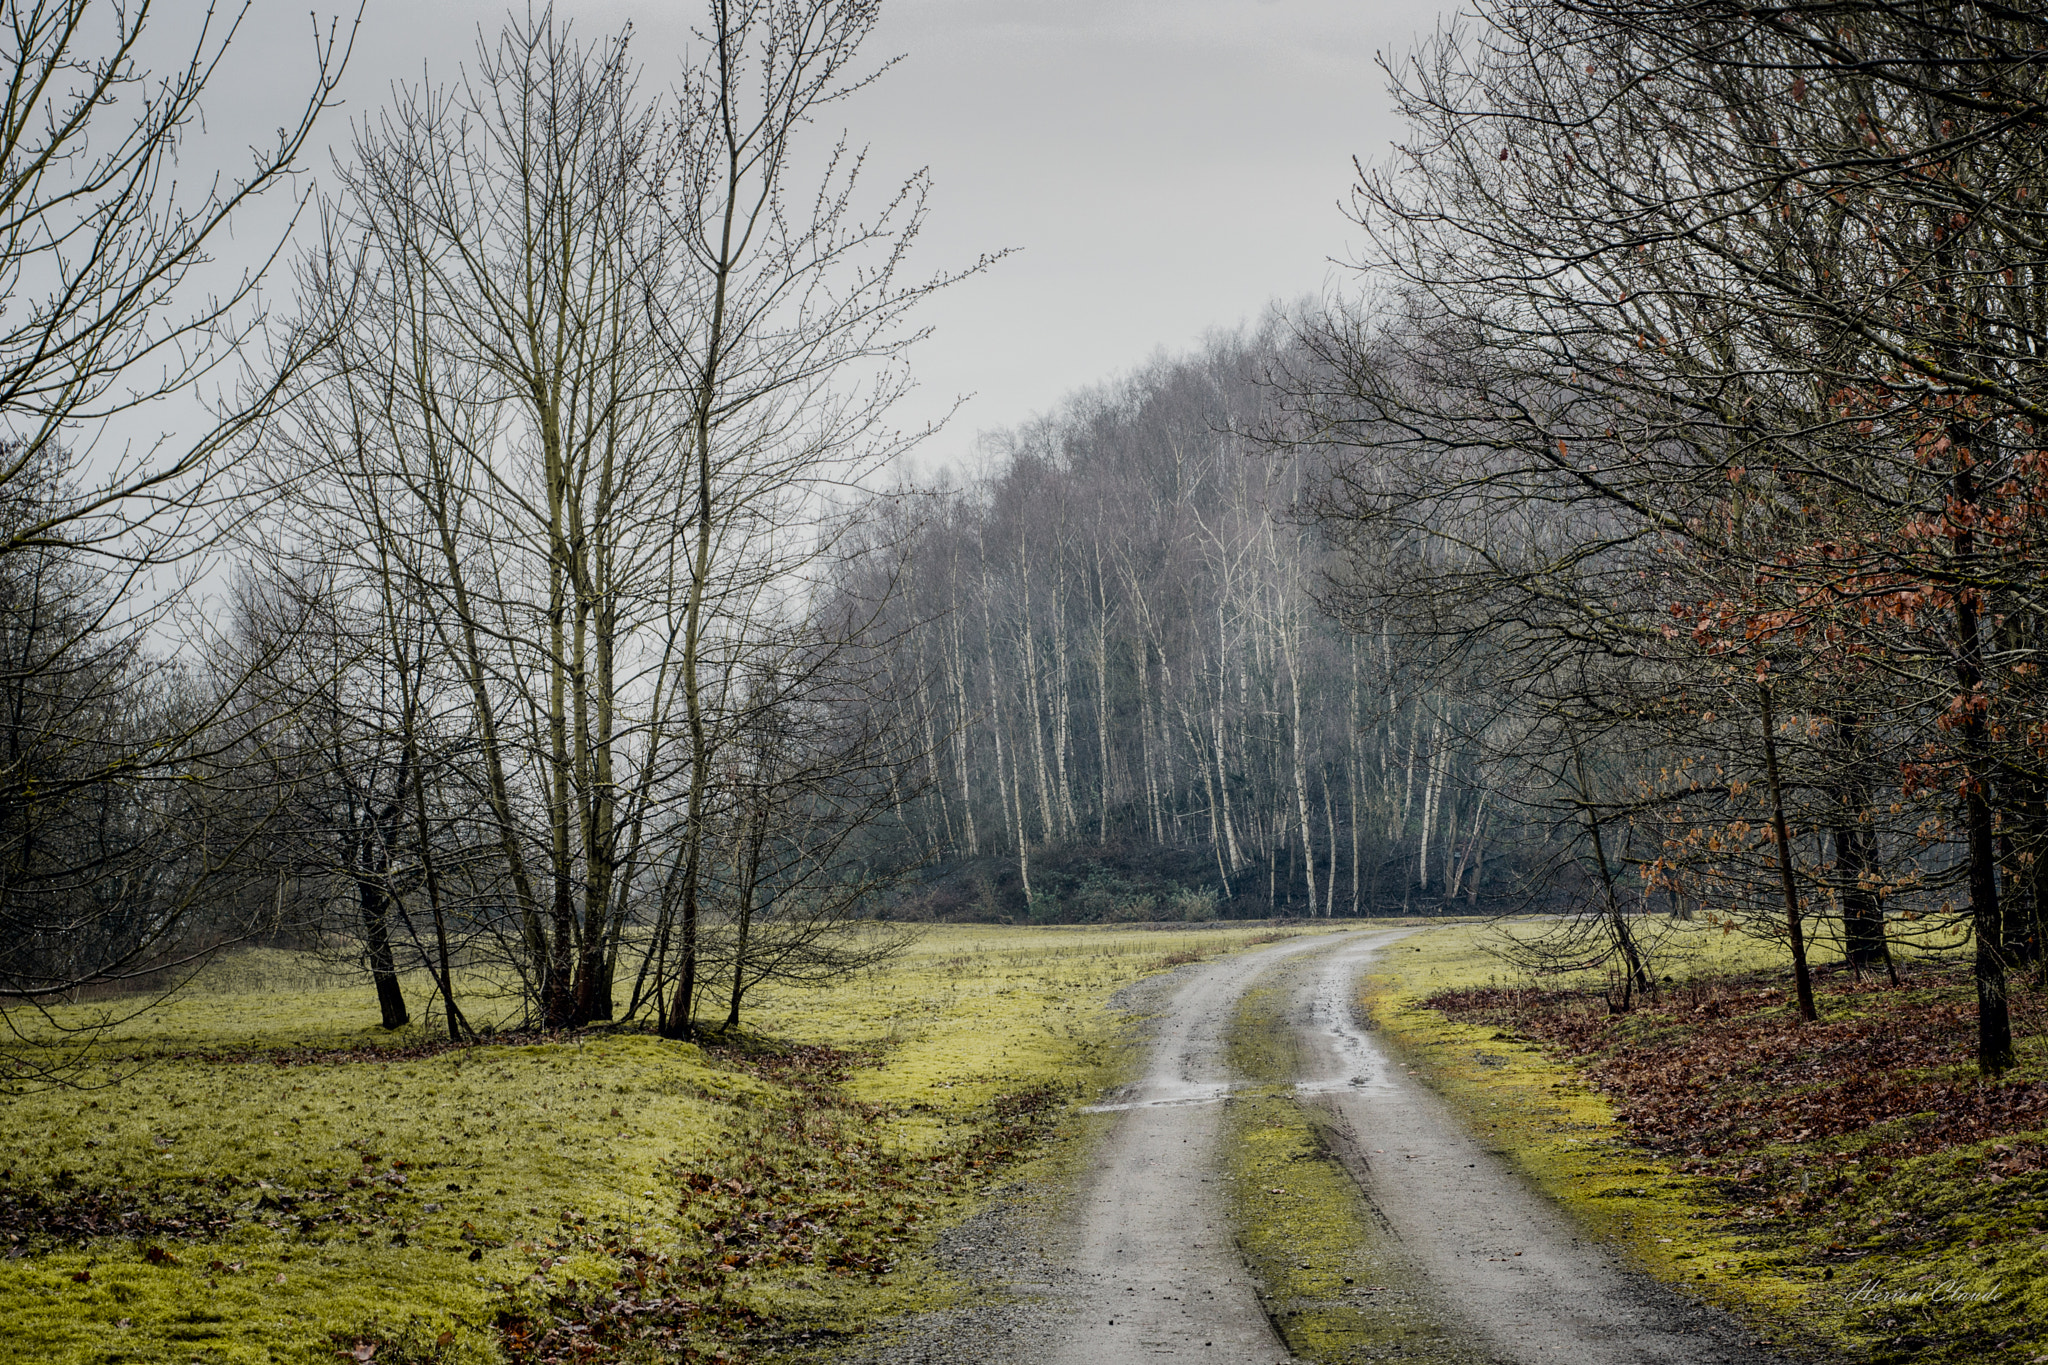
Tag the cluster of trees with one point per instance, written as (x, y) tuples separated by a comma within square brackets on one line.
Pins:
[(1660, 531), (508, 610), (1114, 645), (122, 817), (1697, 422), (554, 488)]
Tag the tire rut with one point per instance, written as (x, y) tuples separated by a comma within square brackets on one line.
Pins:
[(1147, 1262)]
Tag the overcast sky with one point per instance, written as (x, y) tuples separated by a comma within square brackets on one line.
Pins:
[(1162, 167)]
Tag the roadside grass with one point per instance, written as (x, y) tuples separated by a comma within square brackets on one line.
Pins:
[(261, 1174), (1330, 1274), (1849, 1187)]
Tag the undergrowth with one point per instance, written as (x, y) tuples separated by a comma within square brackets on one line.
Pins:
[(806, 1191)]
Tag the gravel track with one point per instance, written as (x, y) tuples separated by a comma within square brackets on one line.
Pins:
[(1505, 1264), (1142, 1264)]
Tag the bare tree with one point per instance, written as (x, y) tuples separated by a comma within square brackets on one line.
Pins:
[(115, 789), (797, 297), (485, 451)]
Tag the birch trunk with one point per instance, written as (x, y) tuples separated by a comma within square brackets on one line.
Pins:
[(1033, 712), (1429, 797)]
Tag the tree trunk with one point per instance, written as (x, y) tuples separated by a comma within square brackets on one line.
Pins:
[(1399, 825), (1102, 698), (1802, 978), (1005, 794), (1062, 697), (376, 910), (1330, 824), (1429, 797), (1863, 933), (1995, 1052), (962, 758), (1637, 975), (1139, 652), (2033, 858), (1308, 846), (755, 836), (1049, 823), (1351, 733)]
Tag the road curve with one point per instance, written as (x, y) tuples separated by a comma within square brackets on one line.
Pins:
[(1157, 1269), (1158, 1274), (1504, 1263)]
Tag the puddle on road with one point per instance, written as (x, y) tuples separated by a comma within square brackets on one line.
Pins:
[(1166, 1095), (1333, 1010)]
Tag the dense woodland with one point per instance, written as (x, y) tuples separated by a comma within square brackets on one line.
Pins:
[(1685, 432), (1651, 528), (1116, 647)]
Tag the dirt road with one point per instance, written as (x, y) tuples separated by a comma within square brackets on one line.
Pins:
[(1505, 1264), (1158, 1269), (1148, 1267)]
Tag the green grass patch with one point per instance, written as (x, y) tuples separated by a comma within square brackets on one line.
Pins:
[(262, 1174)]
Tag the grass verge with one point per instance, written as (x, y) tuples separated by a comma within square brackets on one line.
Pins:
[(1329, 1272), (262, 1176)]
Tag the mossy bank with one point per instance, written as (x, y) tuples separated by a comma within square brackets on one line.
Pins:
[(258, 1176)]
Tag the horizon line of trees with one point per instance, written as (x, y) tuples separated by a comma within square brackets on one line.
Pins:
[(1113, 641)]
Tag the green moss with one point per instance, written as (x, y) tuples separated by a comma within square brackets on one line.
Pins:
[(1938, 1258), (256, 1159)]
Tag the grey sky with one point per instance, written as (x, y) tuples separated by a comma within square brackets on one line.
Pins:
[(1164, 167)]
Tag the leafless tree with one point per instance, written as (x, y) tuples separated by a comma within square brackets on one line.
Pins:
[(797, 296), (117, 783)]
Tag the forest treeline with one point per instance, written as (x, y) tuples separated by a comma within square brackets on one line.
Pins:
[(1653, 527), (1135, 706), (1673, 486)]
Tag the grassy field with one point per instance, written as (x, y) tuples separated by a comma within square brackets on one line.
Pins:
[(260, 1174), (1849, 1185)]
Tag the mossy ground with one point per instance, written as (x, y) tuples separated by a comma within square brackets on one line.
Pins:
[(1329, 1272), (294, 1180), (1819, 1229)]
